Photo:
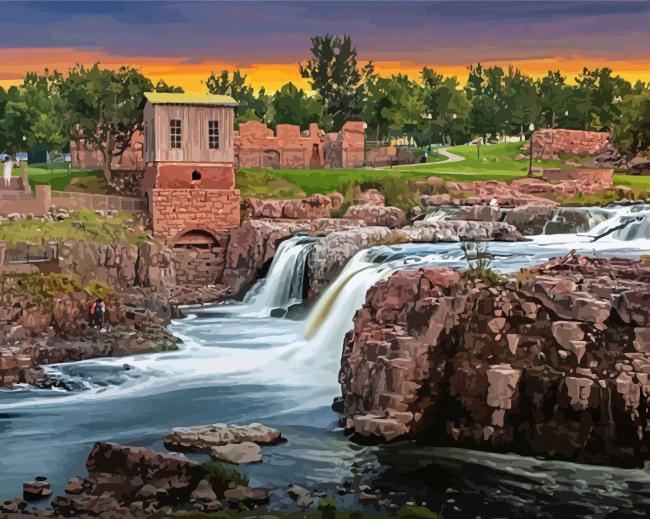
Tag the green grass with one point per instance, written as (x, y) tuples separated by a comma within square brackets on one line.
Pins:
[(58, 178), (640, 185), (85, 226), (43, 288)]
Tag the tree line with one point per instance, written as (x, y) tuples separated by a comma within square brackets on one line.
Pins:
[(104, 107)]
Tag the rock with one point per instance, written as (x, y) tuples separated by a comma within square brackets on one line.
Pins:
[(204, 492), (315, 206), (369, 197), (436, 200), (569, 336), (337, 199), (246, 496), (37, 489), (301, 496), (204, 437), (75, 486), (379, 215), (639, 165), (483, 213), (245, 452), (366, 497)]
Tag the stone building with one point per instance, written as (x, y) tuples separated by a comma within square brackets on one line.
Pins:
[(189, 180), (257, 146)]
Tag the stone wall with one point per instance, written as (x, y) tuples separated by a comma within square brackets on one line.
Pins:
[(551, 363), (315, 206), (178, 211), (257, 146), (549, 143), (22, 201), (86, 157), (199, 265)]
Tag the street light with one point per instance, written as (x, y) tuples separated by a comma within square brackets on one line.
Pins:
[(531, 128)]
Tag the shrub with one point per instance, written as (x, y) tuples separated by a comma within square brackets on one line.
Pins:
[(416, 512), (220, 476), (478, 264)]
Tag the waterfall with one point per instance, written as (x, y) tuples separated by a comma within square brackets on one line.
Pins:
[(283, 285), (626, 224), (440, 214)]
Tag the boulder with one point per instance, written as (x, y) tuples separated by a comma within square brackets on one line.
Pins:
[(37, 489), (300, 495), (237, 453), (377, 215), (246, 496), (204, 437), (369, 197)]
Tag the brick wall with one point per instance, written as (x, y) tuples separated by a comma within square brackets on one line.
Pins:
[(257, 146), (177, 211), (87, 157), (19, 201), (94, 202)]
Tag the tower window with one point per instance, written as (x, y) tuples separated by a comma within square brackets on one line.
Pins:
[(196, 175), (213, 135), (175, 133)]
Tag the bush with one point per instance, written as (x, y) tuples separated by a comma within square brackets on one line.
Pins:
[(220, 476), (478, 264)]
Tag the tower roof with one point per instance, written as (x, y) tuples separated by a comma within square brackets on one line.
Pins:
[(158, 98)]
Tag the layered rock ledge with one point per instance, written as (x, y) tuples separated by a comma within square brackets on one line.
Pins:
[(552, 362)]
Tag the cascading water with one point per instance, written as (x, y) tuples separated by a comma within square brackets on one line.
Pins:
[(239, 364), (283, 285)]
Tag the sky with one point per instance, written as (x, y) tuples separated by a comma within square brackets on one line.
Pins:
[(184, 41)]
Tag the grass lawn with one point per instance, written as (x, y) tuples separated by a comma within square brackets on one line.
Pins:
[(59, 178), (86, 226)]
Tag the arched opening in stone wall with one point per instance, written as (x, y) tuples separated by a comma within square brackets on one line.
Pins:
[(196, 238), (196, 175), (314, 161)]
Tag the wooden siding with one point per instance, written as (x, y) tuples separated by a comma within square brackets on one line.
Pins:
[(149, 129), (194, 133)]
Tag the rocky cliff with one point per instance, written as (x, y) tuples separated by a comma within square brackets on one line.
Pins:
[(553, 362)]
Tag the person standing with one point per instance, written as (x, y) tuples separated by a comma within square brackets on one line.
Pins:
[(8, 165)]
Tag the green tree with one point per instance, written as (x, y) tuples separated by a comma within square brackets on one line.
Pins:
[(554, 97), (405, 108), (632, 129), (162, 86), (103, 107), (47, 109), (597, 95), (334, 73), (447, 107), (519, 101), (293, 106), (251, 106)]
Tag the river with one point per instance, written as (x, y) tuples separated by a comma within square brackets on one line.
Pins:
[(238, 364)]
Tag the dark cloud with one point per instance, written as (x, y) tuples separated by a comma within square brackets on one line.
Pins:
[(247, 32)]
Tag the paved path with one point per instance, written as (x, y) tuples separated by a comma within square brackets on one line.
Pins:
[(450, 157)]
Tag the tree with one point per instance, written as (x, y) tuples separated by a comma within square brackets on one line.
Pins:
[(104, 108), (632, 129), (251, 106), (162, 86), (597, 95), (554, 97), (446, 105), (333, 72), (293, 106), (47, 109), (16, 119), (519, 101)]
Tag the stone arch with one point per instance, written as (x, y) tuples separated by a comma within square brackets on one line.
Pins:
[(196, 237)]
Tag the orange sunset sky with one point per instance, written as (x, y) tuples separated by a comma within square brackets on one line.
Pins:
[(183, 42)]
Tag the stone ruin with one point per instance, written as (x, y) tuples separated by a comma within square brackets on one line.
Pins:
[(257, 146), (84, 156), (548, 143)]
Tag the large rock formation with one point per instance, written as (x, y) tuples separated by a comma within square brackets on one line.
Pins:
[(550, 143), (315, 206), (552, 362), (329, 255)]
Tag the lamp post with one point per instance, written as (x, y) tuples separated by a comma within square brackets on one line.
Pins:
[(531, 128), (365, 127)]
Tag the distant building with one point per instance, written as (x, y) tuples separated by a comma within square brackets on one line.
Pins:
[(189, 179), (257, 146), (84, 156)]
